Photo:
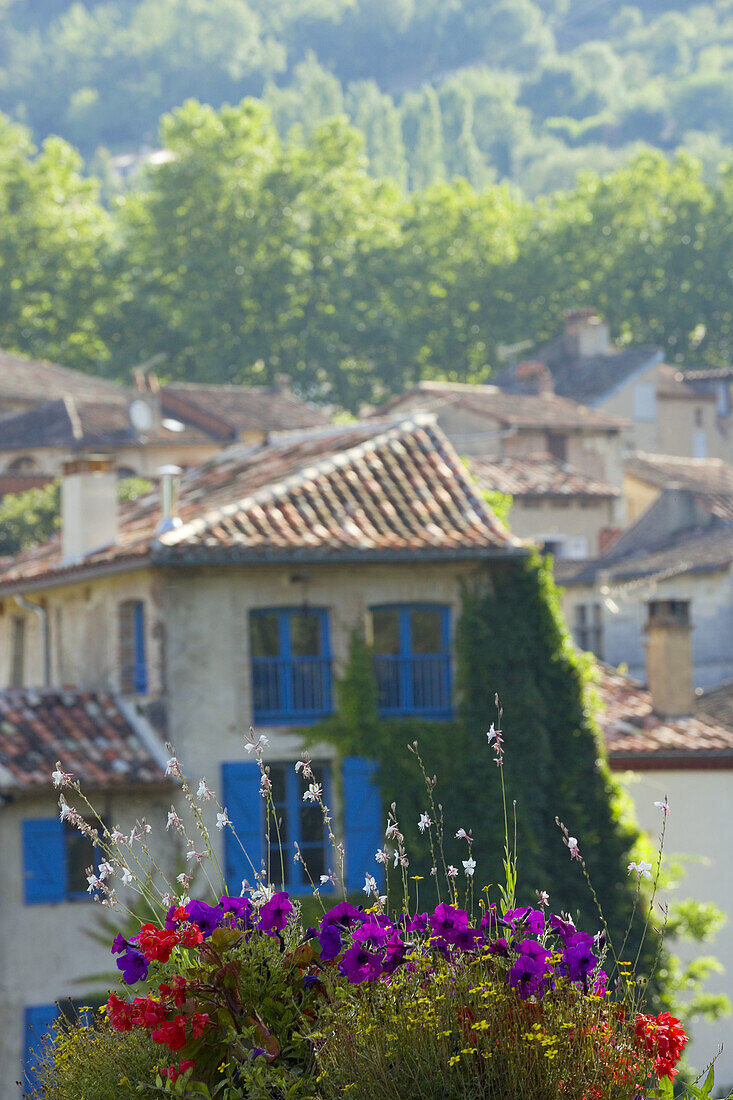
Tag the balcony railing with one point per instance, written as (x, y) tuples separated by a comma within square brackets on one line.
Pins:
[(291, 689), (419, 684)]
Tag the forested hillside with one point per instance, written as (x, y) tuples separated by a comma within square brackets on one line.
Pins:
[(526, 90), (246, 256)]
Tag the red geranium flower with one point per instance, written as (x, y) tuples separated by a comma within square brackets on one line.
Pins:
[(664, 1039)]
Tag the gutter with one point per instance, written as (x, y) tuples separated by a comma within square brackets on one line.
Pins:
[(45, 633)]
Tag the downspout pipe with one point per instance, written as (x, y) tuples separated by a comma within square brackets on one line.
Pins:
[(37, 609)]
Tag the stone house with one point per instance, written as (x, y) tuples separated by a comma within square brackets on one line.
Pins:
[(563, 511), (44, 862), (647, 476), (667, 742), (237, 607), (560, 460), (143, 428), (667, 411), (680, 548)]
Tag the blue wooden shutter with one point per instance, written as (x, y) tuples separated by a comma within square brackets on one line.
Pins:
[(245, 806), (140, 670), (363, 827), (44, 860), (38, 1022)]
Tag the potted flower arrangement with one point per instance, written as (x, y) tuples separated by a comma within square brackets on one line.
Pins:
[(471, 998)]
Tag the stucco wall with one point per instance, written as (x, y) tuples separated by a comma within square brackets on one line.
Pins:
[(700, 826), (571, 516), (144, 460), (46, 948), (711, 612), (83, 626)]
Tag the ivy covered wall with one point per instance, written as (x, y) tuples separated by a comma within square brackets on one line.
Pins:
[(510, 640)]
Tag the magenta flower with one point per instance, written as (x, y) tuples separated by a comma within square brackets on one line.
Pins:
[(448, 919), (360, 965), (207, 917), (239, 908), (371, 932), (527, 976), (330, 941), (275, 912), (528, 919), (344, 914)]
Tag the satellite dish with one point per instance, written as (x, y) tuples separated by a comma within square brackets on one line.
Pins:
[(141, 415)]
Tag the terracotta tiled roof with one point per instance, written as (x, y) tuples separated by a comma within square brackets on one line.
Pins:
[(24, 379), (536, 475), (709, 374), (354, 491), (672, 383), (240, 408), (584, 378), (636, 737), (73, 423), (717, 704), (21, 483), (86, 731), (517, 410), (710, 479)]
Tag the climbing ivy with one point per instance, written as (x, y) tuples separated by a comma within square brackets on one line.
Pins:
[(510, 640)]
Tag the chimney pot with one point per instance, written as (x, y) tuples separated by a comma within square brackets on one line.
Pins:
[(88, 505), (585, 333), (669, 657), (536, 371), (169, 520)]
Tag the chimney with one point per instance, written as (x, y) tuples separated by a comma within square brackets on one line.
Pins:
[(585, 333), (88, 506), (169, 519), (538, 375), (669, 657), (144, 409)]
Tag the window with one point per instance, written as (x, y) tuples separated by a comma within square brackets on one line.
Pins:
[(412, 659), (589, 628), (361, 824), (55, 859), (23, 465), (133, 666), (699, 443), (645, 402), (557, 446), (291, 664), (17, 652)]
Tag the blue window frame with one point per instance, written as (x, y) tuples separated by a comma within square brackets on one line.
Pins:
[(133, 663), (291, 664), (55, 859), (412, 660), (300, 823)]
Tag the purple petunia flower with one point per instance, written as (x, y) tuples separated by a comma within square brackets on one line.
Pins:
[(330, 941), (448, 919), (527, 976), (360, 965), (344, 914), (534, 950), (489, 921), (371, 932), (499, 947), (134, 966), (274, 913), (118, 944), (565, 928), (528, 919), (466, 938), (579, 960), (601, 983), (394, 954), (239, 908), (207, 917)]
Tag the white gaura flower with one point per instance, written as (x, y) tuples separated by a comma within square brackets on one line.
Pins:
[(452, 871), (105, 869), (663, 806), (117, 837), (572, 843), (392, 830), (173, 768), (61, 778), (222, 819), (643, 869), (184, 880), (313, 793), (463, 835), (424, 823), (94, 883), (381, 855), (126, 878), (174, 820), (469, 866), (370, 885), (203, 791), (66, 810)]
